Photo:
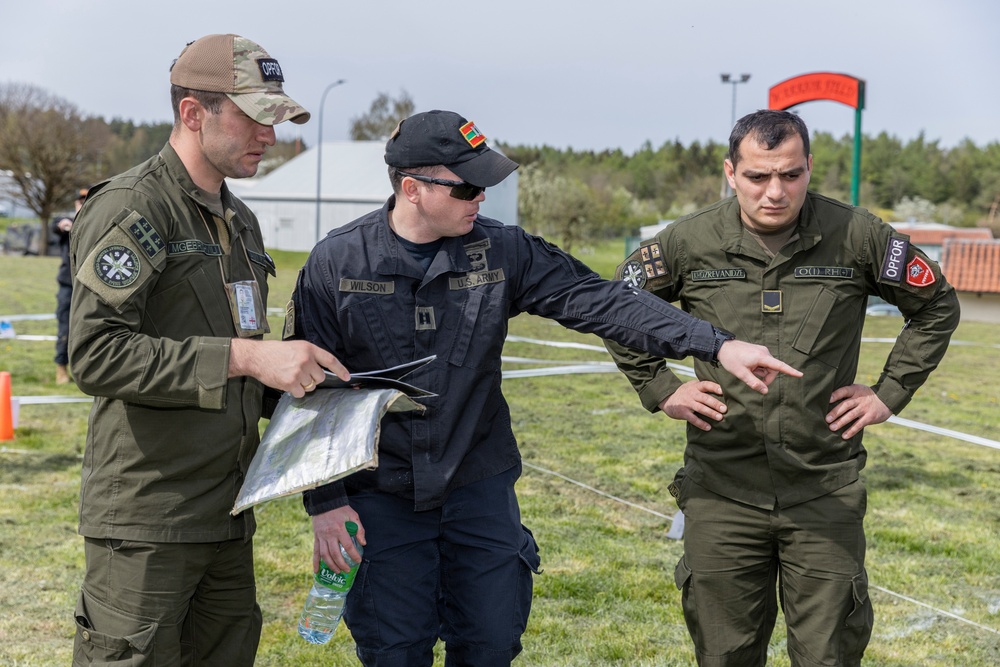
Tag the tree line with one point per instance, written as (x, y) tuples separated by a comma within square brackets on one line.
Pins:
[(579, 195), (49, 148)]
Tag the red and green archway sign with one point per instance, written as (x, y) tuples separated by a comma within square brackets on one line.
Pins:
[(842, 88)]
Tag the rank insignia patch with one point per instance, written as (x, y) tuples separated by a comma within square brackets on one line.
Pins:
[(919, 273), (147, 237), (770, 301), (117, 266), (424, 318)]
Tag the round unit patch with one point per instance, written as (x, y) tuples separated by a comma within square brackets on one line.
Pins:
[(117, 266), (633, 274)]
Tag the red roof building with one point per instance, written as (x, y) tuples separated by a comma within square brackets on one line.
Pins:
[(931, 236), (973, 268), (970, 260)]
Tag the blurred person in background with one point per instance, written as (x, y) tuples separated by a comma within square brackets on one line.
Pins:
[(62, 227)]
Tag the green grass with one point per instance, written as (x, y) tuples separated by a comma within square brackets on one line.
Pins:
[(606, 597)]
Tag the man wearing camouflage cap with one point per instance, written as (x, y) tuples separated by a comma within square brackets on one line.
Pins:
[(167, 321)]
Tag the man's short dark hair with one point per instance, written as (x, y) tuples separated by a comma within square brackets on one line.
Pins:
[(209, 100), (770, 128), (396, 177)]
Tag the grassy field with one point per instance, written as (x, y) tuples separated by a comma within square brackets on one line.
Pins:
[(606, 597)]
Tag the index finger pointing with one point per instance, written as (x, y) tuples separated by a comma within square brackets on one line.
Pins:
[(781, 367)]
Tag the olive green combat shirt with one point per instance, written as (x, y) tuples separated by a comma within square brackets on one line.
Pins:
[(170, 435), (807, 305)]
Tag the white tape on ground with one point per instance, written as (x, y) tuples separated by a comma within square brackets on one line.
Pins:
[(938, 611), (52, 400), (606, 367), (599, 367), (677, 527)]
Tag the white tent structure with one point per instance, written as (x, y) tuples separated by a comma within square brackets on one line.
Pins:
[(354, 182), (11, 203)]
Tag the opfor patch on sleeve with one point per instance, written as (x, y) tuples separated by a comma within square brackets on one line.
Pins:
[(123, 260), (644, 268), (894, 262)]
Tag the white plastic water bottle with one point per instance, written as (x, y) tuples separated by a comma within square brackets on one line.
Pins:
[(325, 604)]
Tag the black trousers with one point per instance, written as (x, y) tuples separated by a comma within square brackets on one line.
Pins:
[(62, 319)]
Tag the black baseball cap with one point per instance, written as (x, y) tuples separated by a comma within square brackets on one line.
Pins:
[(444, 138)]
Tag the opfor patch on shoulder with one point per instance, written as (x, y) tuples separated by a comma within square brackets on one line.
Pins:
[(895, 259)]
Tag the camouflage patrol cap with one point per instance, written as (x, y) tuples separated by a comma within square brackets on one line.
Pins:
[(244, 71)]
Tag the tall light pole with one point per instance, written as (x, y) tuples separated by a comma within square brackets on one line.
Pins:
[(729, 78), (319, 152)]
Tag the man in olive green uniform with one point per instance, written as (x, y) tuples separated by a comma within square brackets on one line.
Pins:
[(167, 319), (770, 488)]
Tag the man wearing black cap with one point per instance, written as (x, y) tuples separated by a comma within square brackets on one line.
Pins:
[(446, 555), (169, 309)]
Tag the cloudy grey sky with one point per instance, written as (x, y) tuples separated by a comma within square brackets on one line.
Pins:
[(585, 74)]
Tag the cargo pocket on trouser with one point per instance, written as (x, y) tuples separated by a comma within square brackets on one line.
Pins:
[(682, 579), (858, 624), (530, 566), (106, 636)]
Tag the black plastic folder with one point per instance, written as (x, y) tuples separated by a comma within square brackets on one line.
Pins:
[(386, 378)]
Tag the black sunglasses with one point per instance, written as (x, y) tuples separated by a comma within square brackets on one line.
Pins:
[(459, 189)]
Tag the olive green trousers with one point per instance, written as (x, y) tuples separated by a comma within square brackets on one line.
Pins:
[(740, 561), (166, 604)]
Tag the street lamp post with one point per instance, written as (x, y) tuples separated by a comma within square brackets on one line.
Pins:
[(729, 78), (319, 153)]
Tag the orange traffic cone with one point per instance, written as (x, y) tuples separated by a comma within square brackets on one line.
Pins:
[(6, 414)]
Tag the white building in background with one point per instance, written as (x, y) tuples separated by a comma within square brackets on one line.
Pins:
[(355, 181), (11, 203)]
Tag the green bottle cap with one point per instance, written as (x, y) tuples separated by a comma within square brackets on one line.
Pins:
[(352, 528)]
